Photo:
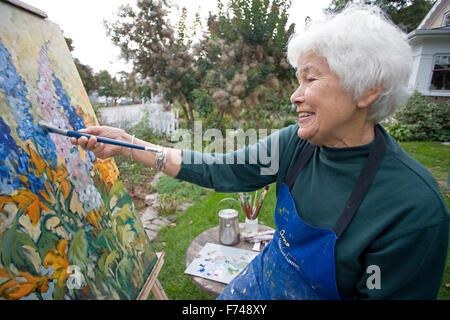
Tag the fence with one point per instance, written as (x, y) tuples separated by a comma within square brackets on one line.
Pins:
[(162, 122)]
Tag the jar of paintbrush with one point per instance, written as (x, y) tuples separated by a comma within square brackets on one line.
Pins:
[(251, 206)]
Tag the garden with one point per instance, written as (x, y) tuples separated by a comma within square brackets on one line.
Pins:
[(234, 75), (421, 127)]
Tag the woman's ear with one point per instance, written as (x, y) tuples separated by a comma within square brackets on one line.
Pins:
[(369, 97)]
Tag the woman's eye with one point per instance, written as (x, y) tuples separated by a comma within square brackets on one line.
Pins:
[(311, 79)]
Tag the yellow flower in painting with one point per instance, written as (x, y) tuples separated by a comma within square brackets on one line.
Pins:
[(21, 285), (29, 201), (57, 258)]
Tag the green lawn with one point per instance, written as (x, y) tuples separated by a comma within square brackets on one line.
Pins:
[(175, 241), (202, 216)]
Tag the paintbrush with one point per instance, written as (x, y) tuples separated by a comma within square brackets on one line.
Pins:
[(244, 203), (260, 202), (253, 212), (68, 133)]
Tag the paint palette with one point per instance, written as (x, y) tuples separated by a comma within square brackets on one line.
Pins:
[(220, 263)]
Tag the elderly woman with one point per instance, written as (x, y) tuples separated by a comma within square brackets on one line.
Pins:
[(356, 217)]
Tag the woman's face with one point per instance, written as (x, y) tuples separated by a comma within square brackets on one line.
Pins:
[(328, 115)]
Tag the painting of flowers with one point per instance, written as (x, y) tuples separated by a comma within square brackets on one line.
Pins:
[(68, 228)]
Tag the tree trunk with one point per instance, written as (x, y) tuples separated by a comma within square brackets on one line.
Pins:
[(188, 112)]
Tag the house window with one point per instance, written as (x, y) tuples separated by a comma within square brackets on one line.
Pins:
[(446, 20), (440, 79)]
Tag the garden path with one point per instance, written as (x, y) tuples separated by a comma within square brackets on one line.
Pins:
[(150, 217)]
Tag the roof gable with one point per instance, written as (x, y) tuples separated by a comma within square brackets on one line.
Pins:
[(435, 16)]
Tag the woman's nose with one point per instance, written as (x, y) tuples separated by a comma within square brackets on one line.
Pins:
[(298, 96)]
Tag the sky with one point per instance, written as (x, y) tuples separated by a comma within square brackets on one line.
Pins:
[(82, 21)]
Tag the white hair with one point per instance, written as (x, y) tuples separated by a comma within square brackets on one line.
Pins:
[(366, 50)]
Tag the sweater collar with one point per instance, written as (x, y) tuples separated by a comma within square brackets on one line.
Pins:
[(348, 153)]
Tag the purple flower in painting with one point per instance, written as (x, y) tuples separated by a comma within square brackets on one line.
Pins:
[(53, 100)]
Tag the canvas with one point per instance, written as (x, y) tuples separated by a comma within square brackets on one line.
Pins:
[(68, 229)]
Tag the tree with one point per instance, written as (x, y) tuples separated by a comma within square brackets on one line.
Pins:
[(108, 86), (69, 43), (146, 38), (407, 14), (238, 65), (129, 85), (87, 75), (242, 63)]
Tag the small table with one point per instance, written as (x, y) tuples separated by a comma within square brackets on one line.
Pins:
[(211, 287)]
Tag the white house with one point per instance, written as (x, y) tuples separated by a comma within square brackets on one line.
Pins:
[(431, 52)]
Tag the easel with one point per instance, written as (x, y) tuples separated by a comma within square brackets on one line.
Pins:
[(152, 284)]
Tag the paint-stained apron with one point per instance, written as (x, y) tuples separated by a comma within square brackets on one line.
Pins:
[(299, 262)]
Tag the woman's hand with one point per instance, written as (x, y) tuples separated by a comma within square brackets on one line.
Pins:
[(102, 150)]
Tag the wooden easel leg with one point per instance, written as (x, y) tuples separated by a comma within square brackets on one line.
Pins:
[(152, 284), (158, 291)]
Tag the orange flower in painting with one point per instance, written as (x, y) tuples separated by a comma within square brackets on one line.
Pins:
[(24, 179), (87, 119), (92, 219), (4, 200), (44, 195), (60, 176), (21, 285), (38, 162), (57, 258), (107, 170), (33, 206)]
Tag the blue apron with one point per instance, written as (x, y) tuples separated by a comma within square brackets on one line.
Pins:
[(299, 262)]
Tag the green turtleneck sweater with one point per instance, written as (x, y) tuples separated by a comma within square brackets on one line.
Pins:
[(401, 226)]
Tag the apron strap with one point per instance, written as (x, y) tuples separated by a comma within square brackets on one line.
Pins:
[(363, 183), (299, 164)]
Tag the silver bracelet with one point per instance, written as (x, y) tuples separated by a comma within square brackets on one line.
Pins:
[(131, 154), (160, 161)]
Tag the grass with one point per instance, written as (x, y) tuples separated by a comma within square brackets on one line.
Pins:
[(175, 241), (202, 215), (436, 157)]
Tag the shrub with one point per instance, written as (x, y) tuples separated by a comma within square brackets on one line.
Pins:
[(143, 131), (426, 120), (401, 132)]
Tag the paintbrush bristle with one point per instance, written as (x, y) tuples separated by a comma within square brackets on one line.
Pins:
[(43, 125), (49, 129)]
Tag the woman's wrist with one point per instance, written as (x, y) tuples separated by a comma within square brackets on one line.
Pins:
[(128, 138)]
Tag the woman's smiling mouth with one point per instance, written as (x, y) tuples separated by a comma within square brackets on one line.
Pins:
[(304, 117)]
